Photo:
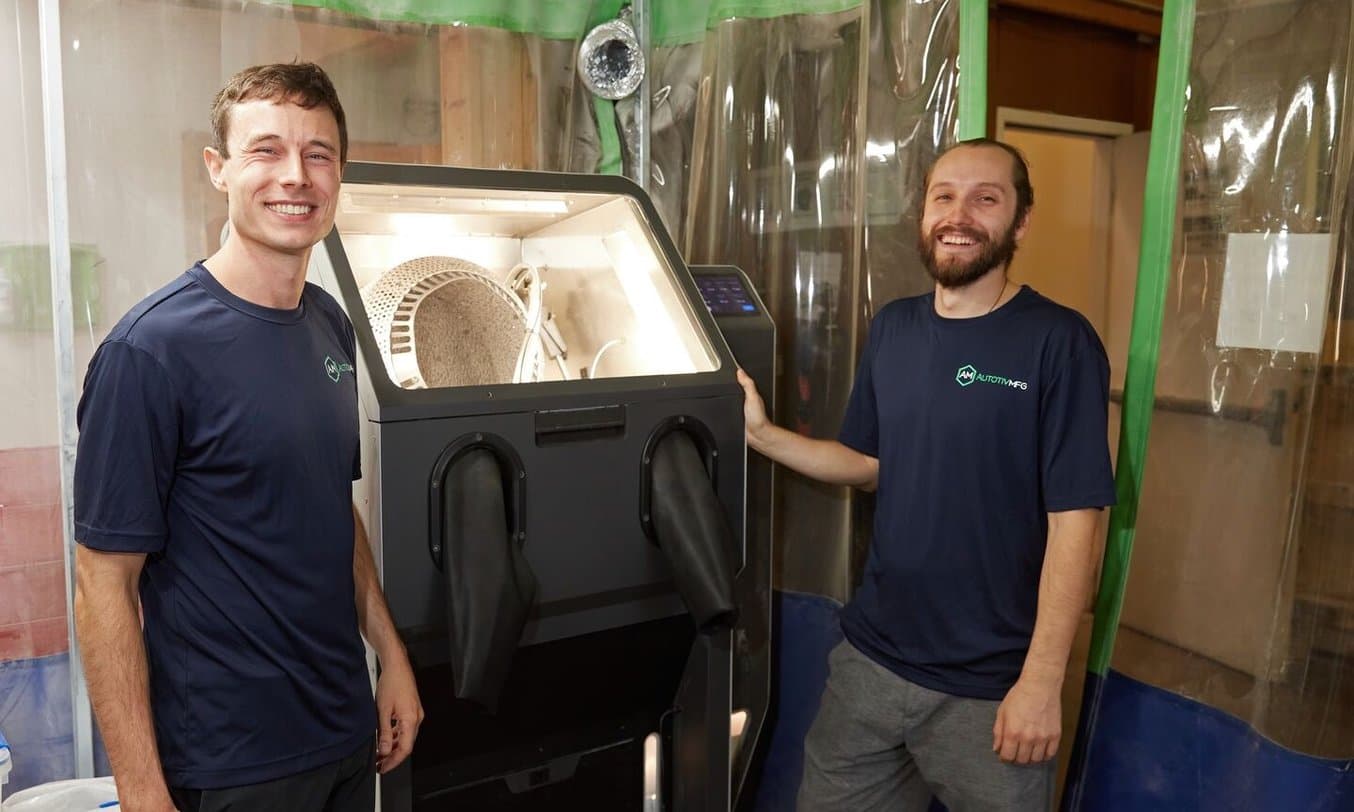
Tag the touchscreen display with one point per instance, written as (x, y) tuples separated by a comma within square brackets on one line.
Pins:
[(725, 295)]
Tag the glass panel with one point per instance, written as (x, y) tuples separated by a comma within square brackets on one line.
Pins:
[(467, 287)]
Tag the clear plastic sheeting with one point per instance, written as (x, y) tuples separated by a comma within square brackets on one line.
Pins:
[(414, 92), (35, 695), (775, 189), (1241, 591), (675, 77), (804, 165), (911, 115), (759, 159), (513, 101)]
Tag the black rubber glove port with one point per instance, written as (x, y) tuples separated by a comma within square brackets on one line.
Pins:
[(689, 526), (490, 587)]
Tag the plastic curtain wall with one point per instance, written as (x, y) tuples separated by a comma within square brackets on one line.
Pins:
[(137, 80), (810, 134), (1231, 680), (787, 138), (35, 694)]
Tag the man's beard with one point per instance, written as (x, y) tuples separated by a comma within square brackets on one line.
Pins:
[(957, 273)]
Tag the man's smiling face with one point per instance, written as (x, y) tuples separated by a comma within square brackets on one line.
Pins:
[(968, 222), (282, 175)]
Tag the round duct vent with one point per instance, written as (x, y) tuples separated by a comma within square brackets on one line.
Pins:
[(610, 61)]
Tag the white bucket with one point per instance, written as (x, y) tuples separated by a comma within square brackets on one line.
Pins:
[(5, 765), (79, 795)]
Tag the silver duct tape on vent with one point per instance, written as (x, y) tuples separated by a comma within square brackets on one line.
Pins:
[(443, 321), (610, 61)]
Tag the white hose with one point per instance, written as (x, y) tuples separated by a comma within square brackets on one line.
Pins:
[(524, 274), (592, 369)]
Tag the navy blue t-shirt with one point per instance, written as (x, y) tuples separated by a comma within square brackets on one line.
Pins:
[(221, 438), (981, 426)]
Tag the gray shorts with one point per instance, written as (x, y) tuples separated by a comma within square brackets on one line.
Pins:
[(880, 742)]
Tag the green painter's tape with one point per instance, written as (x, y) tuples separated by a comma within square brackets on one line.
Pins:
[(682, 22), (1144, 347), (972, 69), (609, 162), (552, 19), (675, 22)]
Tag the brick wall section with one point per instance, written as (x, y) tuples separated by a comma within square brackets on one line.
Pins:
[(32, 573)]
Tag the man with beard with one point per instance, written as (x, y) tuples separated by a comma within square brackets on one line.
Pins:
[(979, 415)]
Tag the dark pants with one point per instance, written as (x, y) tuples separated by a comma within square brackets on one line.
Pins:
[(346, 785)]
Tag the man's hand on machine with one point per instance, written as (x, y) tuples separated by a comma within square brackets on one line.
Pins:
[(754, 409), (824, 460), (399, 711)]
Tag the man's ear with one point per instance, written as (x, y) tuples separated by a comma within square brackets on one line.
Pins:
[(215, 163), (1024, 224)]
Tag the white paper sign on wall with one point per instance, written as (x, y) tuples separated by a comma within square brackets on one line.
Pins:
[(1274, 290)]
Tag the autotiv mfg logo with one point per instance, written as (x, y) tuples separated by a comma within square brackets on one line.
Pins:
[(335, 369), (968, 375)]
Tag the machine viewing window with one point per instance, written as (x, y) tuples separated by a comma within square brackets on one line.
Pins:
[(466, 287)]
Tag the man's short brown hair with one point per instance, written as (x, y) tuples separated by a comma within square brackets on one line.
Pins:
[(1020, 173), (304, 84)]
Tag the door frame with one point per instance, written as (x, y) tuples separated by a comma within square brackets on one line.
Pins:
[(1102, 187), (1037, 120)]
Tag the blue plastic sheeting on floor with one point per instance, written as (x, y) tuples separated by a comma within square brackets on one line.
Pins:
[(35, 713), (804, 629), (1155, 750)]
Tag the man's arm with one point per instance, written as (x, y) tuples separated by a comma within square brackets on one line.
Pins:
[(1029, 720), (398, 710), (108, 626), (824, 460)]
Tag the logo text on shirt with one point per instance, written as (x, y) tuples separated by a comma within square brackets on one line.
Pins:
[(335, 369), (968, 374)]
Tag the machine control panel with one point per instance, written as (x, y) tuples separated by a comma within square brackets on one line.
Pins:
[(726, 294)]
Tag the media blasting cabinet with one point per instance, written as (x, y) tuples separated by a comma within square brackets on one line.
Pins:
[(572, 537)]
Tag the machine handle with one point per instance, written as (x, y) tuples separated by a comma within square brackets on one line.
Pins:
[(557, 426)]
